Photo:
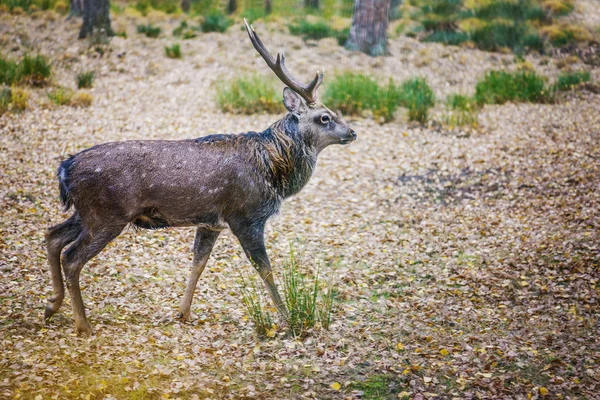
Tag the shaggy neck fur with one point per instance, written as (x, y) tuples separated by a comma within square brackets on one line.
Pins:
[(288, 159)]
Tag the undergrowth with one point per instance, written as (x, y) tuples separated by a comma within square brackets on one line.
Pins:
[(308, 299), (352, 93), (318, 30), (569, 80), (173, 51), (13, 99), (215, 21), (493, 25), (30, 70), (463, 111), (499, 87), (149, 30), (248, 95), (85, 79)]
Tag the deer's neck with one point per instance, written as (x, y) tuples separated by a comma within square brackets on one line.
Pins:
[(288, 160)]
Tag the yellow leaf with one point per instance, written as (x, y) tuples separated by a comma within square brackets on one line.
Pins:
[(336, 386), (444, 352), (399, 347), (270, 332), (543, 391)]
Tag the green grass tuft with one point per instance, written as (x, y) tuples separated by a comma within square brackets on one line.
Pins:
[(499, 87), (85, 79), (463, 111), (216, 21), (307, 303), (149, 30), (416, 95), (61, 96), (13, 99), (318, 30), (352, 93), (30, 70), (569, 80), (173, 51), (248, 95)]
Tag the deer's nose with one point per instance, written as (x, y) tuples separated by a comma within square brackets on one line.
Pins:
[(353, 134)]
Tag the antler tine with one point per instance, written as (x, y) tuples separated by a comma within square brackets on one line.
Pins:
[(308, 92)]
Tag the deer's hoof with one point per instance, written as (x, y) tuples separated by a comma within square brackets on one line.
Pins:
[(183, 316), (84, 330)]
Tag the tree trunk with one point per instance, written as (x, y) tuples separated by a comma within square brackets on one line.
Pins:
[(231, 6), (185, 5), (268, 7), (76, 8), (368, 32), (314, 4), (96, 19)]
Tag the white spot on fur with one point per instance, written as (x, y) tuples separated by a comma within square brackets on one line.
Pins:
[(98, 169)]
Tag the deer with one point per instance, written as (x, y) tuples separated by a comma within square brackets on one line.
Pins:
[(214, 182)]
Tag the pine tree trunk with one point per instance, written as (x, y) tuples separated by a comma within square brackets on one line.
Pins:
[(268, 7), (96, 19), (231, 6), (368, 33), (314, 4), (76, 8), (185, 5)]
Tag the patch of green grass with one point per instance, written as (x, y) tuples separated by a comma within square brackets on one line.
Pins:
[(30, 70), (352, 93), (569, 80), (29, 5), (499, 87), (248, 95), (149, 30), (184, 31), (253, 13), (318, 30), (85, 79), (13, 99), (307, 303), (173, 51), (511, 10), (495, 35), (379, 387), (61, 96), (216, 21), (447, 37), (463, 111), (167, 6), (416, 95)]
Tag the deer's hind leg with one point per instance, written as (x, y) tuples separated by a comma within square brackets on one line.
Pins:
[(88, 244), (203, 245), (57, 238)]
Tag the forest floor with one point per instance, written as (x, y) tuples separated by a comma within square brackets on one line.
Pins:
[(466, 262)]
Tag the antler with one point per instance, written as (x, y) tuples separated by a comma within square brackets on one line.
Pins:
[(308, 92)]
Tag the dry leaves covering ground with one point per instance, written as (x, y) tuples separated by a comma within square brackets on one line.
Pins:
[(466, 263)]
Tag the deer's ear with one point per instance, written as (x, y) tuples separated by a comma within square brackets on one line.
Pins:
[(292, 101)]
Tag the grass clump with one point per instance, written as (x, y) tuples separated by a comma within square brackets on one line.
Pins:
[(30, 70), (569, 80), (85, 79), (463, 111), (416, 95), (216, 21), (184, 31), (318, 30), (307, 303), (61, 96), (149, 30), (13, 99), (173, 51), (499, 87), (166, 6), (352, 93), (81, 99), (248, 95)]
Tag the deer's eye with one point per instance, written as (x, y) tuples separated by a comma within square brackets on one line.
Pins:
[(325, 118)]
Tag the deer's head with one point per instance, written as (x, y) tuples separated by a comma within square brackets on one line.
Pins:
[(316, 122)]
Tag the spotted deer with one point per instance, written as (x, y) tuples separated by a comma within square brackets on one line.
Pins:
[(212, 183)]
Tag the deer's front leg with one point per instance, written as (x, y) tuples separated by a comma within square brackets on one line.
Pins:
[(203, 245), (251, 237)]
